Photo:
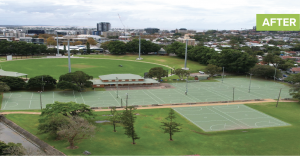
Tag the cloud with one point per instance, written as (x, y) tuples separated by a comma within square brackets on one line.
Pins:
[(164, 14)]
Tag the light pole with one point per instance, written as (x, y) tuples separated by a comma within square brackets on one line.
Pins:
[(186, 87), (278, 97), (117, 87), (41, 99), (250, 82), (223, 75), (42, 83), (140, 47), (57, 43), (69, 59), (185, 58), (275, 71)]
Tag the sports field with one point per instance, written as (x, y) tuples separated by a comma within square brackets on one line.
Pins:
[(230, 117), (197, 92), (94, 67)]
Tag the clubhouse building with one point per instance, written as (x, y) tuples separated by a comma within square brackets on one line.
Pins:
[(122, 80)]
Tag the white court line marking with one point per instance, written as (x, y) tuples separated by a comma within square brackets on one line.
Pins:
[(218, 94), (225, 107), (210, 120), (202, 114), (30, 104), (253, 93), (266, 115), (234, 118), (186, 96), (226, 118), (156, 97), (255, 118), (74, 96), (82, 98), (266, 125), (239, 112), (7, 100), (150, 96), (114, 98), (191, 121), (31, 96)]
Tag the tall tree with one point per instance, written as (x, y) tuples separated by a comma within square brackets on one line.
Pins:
[(75, 80), (88, 48), (91, 41), (157, 72), (115, 118), (15, 83), (4, 87), (105, 45), (57, 114), (46, 81), (181, 73), (295, 90), (128, 120), (265, 71), (77, 129), (117, 47), (171, 126), (212, 69)]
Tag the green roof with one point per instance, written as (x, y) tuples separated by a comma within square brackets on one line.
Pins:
[(120, 76), (12, 74)]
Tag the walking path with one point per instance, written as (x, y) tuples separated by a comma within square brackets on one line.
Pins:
[(169, 106)]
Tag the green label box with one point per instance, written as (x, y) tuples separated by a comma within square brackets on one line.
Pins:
[(277, 22)]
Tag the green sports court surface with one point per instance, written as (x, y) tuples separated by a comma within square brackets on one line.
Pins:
[(228, 117), (197, 92)]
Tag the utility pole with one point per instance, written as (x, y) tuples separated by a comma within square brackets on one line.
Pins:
[(140, 47), (69, 59), (41, 99), (250, 82), (278, 97), (233, 95), (186, 87), (185, 59), (223, 75), (57, 43), (117, 87), (42, 83)]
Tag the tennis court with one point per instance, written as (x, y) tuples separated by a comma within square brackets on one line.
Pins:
[(197, 92), (228, 117)]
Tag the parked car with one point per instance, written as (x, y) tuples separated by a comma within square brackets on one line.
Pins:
[(201, 72), (284, 75)]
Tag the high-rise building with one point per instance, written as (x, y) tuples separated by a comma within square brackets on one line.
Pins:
[(103, 26)]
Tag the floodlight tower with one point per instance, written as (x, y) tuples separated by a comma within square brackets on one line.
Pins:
[(185, 60)]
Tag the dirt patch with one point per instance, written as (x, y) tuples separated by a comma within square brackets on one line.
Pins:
[(161, 60), (200, 133), (79, 66), (159, 118)]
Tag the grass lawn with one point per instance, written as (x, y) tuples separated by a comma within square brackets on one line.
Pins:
[(192, 140), (172, 61), (94, 67)]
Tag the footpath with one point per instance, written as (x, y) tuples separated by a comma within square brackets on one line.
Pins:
[(167, 106)]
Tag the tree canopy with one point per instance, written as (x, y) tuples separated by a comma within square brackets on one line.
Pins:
[(75, 80), (117, 47), (36, 82), (157, 72), (15, 83)]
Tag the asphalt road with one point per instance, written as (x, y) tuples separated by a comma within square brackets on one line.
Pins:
[(8, 135)]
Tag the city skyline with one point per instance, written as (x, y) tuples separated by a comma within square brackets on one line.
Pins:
[(167, 14)]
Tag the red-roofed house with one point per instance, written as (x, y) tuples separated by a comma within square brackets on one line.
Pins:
[(295, 70), (285, 57)]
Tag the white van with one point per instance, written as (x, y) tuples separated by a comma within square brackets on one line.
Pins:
[(201, 72)]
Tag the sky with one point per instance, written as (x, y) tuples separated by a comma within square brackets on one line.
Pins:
[(139, 14)]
